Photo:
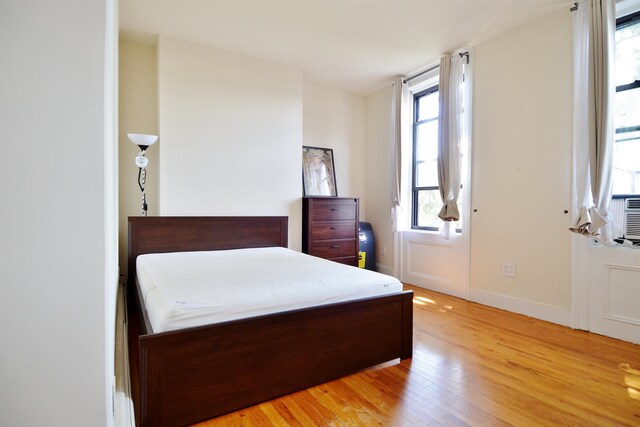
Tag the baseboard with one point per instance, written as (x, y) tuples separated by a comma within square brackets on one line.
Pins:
[(550, 313)]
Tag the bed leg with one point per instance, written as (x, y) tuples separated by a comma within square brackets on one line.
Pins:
[(406, 351)]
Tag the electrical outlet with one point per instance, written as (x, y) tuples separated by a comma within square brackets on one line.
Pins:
[(384, 250), (509, 269)]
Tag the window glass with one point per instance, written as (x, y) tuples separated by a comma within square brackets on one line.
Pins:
[(628, 53), (429, 204), (428, 106), (627, 111), (626, 150), (426, 155), (626, 154)]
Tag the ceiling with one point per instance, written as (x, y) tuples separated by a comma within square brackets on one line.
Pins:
[(353, 45)]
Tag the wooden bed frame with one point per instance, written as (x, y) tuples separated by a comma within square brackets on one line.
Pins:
[(182, 377)]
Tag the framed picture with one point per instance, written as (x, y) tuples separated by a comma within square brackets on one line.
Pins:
[(318, 172)]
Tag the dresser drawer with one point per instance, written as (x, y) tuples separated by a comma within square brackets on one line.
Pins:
[(333, 248), (328, 210), (333, 230), (330, 228)]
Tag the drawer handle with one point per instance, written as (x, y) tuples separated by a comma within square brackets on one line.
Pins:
[(334, 209), (335, 246), (334, 228)]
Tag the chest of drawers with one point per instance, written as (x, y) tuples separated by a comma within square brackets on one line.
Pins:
[(330, 228)]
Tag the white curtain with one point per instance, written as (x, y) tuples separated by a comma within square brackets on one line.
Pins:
[(594, 37), (451, 123), (396, 153), (398, 131)]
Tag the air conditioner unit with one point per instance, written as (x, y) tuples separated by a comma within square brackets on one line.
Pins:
[(632, 219)]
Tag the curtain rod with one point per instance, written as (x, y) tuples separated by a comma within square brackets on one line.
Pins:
[(415, 76), (574, 7)]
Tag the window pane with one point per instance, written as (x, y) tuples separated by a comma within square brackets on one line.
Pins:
[(626, 150), (628, 54), (429, 204), (626, 163), (627, 111), (428, 106), (427, 154)]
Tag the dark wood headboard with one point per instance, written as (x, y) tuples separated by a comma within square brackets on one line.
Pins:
[(157, 234)]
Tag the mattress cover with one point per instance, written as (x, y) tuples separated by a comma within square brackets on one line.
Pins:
[(186, 289)]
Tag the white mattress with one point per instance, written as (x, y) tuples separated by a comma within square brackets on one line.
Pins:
[(185, 289)]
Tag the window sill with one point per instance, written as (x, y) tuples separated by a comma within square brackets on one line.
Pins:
[(427, 237), (616, 246)]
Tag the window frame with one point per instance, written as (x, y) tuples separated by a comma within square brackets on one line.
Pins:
[(623, 21), (414, 188)]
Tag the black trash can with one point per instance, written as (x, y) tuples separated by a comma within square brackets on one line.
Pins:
[(367, 247)]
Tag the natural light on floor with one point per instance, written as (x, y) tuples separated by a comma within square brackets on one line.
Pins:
[(632, 380), (423, 301)]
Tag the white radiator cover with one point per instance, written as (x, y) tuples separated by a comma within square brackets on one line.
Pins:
[(632, 218)]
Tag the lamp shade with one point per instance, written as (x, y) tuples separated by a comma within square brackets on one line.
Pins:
[(142, 140)]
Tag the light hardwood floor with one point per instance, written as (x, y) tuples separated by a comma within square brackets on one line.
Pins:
[(474, 365)]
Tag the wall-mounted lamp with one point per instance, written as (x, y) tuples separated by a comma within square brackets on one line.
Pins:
[(142, 141)]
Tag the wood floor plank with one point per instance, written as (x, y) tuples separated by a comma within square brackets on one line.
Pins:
[(474, 365)]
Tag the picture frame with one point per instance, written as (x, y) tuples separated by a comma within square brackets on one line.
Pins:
[(318, 172)]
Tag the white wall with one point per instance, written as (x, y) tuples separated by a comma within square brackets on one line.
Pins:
[(521, 172), (246, 121), (335, 119), (138, 113), (58, 267), (378, 175), (231, 131)]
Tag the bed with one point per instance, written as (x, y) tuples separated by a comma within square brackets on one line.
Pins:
[(196, 373)]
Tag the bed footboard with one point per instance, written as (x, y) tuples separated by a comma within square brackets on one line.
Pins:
[(200, 373)]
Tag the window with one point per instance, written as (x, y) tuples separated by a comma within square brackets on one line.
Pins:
[(426, 194), (426, 200), (626, 152)]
